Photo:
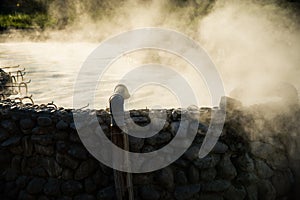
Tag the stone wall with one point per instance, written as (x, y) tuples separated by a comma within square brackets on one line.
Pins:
[(42, 157)]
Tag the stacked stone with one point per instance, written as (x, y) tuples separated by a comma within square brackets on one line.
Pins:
[(42, 157)]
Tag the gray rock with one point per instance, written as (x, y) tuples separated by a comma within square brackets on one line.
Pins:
[(193, 174), (208, 174), (141, 179), (247, 178), (67, 161), (192, 153), (51, 166), (210, 197), (136, 144), (149, 193), (23, 195), (84, 197), (52, 187), (9, 125), (35, 186), (107, 193), (44, 121), (262, 169), (220, 148), (27, 145), (282, 182), (159, 138), (174, 127), (16, 163), (266, 190), (44, 150), (186, 192), (226, 169), (10, 174), (209, 161), (62, 125), (39, 171), (71, 188), (245, 163), (165, 178), (26, 124), (12, 141), (89, 185), (235, 193), (60, 135), (67, 174), (22, 181), (42, 139), (85, 169), (216, 186), (262, 150), (180, 178), (3, 134), (252, 193), (78, 151)]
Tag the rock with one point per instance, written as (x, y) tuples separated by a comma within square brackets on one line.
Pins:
[(60, 135), (61, 146), (210, 197), (216, 186), (51, 166), (44, 121), (282, 182), (174, 127), (245, 163), (226, 169), (74, 137), (107, 193), (262, 169), (23, 195), (229, 104), (26, 124), (16, 163), (36, 185), (102, 179), (44, 150), (84, 197), (52, 187), (42, 139), (235, 193), (3, 134), (71, 188), (78, 151), (165, 178), (12, 141), (9, 125), (159, 139), (67, 174), (39, 171), (251, 192), (67, 161), (136, 144), (89, 185), (62, 125), (278, 161), (10, 174), (141, 179), (193, 174), (85, 169), (22, 181), (149, 193), (247, 178), (180, 178), (266, 190), (208, 174), (220, 148), (192, 153), (209, 161), (262, 150), (186, 192), (27, 145)]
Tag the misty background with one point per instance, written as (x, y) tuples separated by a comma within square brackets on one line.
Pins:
[(254, 44)]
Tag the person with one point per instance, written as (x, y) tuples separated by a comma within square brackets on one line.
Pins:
[(123, 181)]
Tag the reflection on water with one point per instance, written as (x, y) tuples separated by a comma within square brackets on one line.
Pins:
[(53, 68)]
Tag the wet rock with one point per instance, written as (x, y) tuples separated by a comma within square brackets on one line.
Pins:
[(42, 139), (266, 190), (44, 150), (235, 193), (3, 134), (262, 150), (78, 151), (26, 124), (16, 163), (85, 169), (10, 174), (62, 146), (22, 181), (141, 179), (44, 121), (208, 174), (193, 174), (192, 153), (102, 179), (247, 178), (51, 166), (159, 139), (27, 146), (209, 161), (186, 192), (245, 163), (84, 197), (89, 185), (36, 185), (216, 186), (42, 130), (23, 195), (12, 141), (252, 193), (67, 161), (263, 170), (220, 148), (62, 125), (9, 125), (210, 197), (226, 169), (52, 187), (74, 137), (67, 174), (60, 135), (278, 161), (107, 193), (180, 178), (282, 181), (136, 144), (18, 150), (149, 193), (165, 178), (71, 188), (39, 171)]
